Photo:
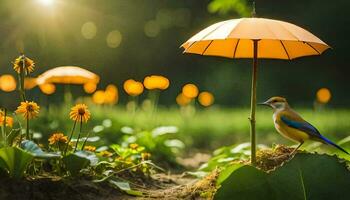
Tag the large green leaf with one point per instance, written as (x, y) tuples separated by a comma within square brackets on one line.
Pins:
[(35, 150), (79, 160), (14, 161), (12, 135), (306, 176)]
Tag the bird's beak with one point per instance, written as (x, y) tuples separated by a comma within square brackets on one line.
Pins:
[(264, 104)]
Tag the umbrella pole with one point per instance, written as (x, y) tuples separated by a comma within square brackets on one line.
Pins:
[(253, 104)]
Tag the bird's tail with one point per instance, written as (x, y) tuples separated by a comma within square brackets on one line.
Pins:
[(326, 140)]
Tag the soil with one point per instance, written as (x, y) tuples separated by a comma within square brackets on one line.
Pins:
[(158, 186)]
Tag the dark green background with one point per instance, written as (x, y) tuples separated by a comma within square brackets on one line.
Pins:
[(53, 38)]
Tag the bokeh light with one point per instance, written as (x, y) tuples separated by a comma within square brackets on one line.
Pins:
[(112, 88), (156, 82), (47, 88), (98, 97), (132, 87), (114, 38), (164, 18), (151, 28), (190, 90), (111, 94), (29, 83), (89, 30), (90, 87), (323, 95), (7, 83), (206, 98), (182, 17), (182, 100)]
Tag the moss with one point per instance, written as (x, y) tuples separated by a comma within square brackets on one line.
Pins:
[(269, 159)]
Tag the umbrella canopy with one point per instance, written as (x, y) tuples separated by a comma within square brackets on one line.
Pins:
[(234, 39), (68, 75), (255, 38)]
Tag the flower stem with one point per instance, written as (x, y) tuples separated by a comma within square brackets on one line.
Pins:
[(87, 136), (70, 137), (81, 124), (154, 106), (2, 128), (27, 129), (21, 80)]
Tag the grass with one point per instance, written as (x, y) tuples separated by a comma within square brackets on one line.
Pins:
[(202, 128)]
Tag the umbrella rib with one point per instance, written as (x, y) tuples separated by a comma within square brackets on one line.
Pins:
[(204, 37), (190, 46), (285, 49), (313, 48), (234, 53), (207, 47)]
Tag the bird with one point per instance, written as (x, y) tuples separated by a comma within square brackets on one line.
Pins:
[(292, 126)]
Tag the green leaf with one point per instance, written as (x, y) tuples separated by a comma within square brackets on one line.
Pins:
[(75, 162), (14, 161), (88, 155), (134, 193), (12, 135), (121, 185), (35, 150), (125, 186), (224, 174), (306, 176)]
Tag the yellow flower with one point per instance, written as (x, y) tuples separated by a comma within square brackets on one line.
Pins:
[(79, 113), (99, 97), (132, 87), (105, 153), (29, 83), (156, 82), (190, 90), (323, 95), (28, 64), (9, 120), (28, 109), (90, 87), (133, 146), (111, 94), (206, 99), (90, 148), (182, 100), (7, 83), (47, 88), (57, 138), (145, 156)]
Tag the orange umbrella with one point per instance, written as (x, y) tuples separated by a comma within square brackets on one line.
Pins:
[(254, 38), (68, 75)]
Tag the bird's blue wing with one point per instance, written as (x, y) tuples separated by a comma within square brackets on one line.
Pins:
[(309, 129), (303, 126)]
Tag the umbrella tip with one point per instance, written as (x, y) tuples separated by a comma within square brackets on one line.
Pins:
[(253, 11)]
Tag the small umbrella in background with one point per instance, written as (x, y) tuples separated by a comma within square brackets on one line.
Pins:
[(254, 38), (68, 75)]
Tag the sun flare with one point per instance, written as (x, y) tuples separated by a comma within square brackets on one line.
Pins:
[(46, 2)]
